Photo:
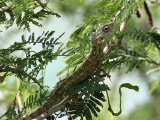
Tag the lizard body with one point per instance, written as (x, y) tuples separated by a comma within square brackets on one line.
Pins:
[(91, 62), (89, 66)]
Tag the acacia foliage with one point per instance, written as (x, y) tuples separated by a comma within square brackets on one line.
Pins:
[(88, 98)]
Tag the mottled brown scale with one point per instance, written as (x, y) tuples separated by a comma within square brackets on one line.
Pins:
[(88, 67), (91, 63)]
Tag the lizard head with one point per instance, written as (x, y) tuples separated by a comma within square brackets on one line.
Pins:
[(104, 32), (107, 30)]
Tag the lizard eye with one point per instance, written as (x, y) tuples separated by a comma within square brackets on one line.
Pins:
[(105, 28)]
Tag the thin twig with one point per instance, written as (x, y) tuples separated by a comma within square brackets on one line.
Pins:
[(17, 70), (152, 61), (138, 14), (19, 100), (41, 4), (148, 13), (44, 6)]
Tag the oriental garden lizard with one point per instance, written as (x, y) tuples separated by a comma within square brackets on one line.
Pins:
[(89, 66)]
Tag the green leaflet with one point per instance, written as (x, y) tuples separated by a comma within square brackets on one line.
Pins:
[(155, 86), (87, 98)]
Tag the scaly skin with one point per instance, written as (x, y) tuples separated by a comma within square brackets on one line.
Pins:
[(90, 65)]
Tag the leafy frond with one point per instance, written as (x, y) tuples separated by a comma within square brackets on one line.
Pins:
[(33, 100), (87, 98), (133, 50), (33, 62), (119, 59), (36, 99), (23, 13), (29, 67)]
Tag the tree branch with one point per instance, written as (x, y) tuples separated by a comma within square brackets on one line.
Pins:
[(7, 69), (58, 107), (148, 13)]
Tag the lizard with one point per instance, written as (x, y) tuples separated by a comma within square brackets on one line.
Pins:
[(89, 66)]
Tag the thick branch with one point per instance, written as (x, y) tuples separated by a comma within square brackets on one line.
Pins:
[(60, 106)]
